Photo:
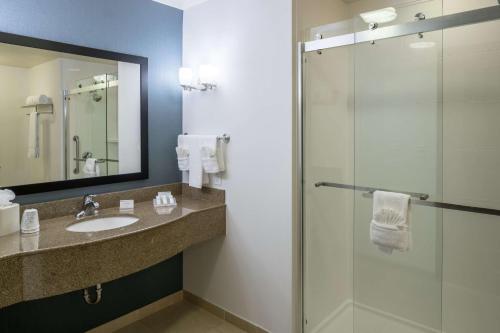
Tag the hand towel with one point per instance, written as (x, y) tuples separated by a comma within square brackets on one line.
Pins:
[(91, 168), (390, 225), (212, 154), (182, 158), (193, 144), (33, 136), (37, 99)]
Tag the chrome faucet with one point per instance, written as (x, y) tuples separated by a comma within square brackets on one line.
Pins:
[(89, 206)]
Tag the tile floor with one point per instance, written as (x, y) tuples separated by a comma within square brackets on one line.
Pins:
[(183, 317)]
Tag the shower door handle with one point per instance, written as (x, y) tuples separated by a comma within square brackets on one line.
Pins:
[(76, 139)]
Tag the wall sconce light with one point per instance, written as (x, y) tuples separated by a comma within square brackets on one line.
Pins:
[(186, 77), (207, 74)]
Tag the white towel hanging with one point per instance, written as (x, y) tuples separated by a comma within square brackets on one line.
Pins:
[(390, 225), (33, 136)]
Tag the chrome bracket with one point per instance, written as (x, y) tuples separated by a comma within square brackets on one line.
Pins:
[(420, 17)]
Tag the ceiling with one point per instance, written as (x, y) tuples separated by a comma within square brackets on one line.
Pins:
[(181, 4)]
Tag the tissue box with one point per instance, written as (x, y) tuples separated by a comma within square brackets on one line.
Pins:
[(9, 219)]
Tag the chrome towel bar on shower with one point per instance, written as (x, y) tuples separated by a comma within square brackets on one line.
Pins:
[(370, 190), (419, 199), (99, 160)]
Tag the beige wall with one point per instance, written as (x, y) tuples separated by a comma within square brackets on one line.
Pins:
[(471, 160), (14, 87), (16, 84)]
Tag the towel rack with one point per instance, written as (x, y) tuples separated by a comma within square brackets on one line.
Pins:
[(419, 199), (370, 190), (223, 138), (99, 160), (36, 106)]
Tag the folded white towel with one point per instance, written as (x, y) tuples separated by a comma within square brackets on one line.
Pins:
[(33, 136), (182, 158), (91, 168), (390, 225), (193, 144), (212, 155), (37, 99)]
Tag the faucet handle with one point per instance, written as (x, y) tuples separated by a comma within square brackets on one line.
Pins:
[(88, 198)]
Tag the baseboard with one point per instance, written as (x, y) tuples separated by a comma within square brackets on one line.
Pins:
[(179, 296), (223, 314), (138, 314)]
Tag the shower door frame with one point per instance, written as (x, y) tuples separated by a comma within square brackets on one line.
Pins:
[(476, 16)]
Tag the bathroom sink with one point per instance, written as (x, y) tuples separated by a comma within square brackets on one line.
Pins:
[(102, 223)]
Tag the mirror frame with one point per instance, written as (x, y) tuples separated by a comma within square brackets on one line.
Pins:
[(9, 38)]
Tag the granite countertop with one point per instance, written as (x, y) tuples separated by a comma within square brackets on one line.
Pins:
[(53, 233), (56, 261)]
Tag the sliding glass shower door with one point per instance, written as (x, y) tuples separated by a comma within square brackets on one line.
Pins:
[(92, 126), (415, 113), (398, 147)]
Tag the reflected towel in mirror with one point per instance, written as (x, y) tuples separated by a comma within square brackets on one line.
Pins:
[(91, 168), (33, 136)]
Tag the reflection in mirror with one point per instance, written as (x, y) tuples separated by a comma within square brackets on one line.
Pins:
[(66, 116)]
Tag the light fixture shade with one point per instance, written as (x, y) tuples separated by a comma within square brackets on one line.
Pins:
[(383, 15), (185, 76), (207, 74)]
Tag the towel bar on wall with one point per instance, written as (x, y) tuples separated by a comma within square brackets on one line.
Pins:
[(419, 199), (226, 138), (37, 106)]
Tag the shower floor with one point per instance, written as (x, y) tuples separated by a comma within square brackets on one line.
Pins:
[(369, 321)]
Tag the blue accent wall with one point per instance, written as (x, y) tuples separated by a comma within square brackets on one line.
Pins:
[(68, 313), (139, 27)]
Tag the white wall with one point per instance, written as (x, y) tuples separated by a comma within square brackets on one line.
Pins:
[(129, 120), (249, 272)]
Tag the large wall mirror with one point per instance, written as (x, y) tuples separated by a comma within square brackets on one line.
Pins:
[(70, 116)]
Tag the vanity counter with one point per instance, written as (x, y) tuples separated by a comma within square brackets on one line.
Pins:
[(57, 261)]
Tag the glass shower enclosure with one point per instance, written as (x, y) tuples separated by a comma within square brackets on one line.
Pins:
[(409, 103), (91, 118)]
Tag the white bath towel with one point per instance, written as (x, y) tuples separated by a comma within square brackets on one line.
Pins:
[(193, 144), (182, 158), (37, 99), (390, 225), (91, 168), (212, 154), (33, 136)]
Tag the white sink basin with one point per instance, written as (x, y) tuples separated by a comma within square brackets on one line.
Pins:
[(102, 223)]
